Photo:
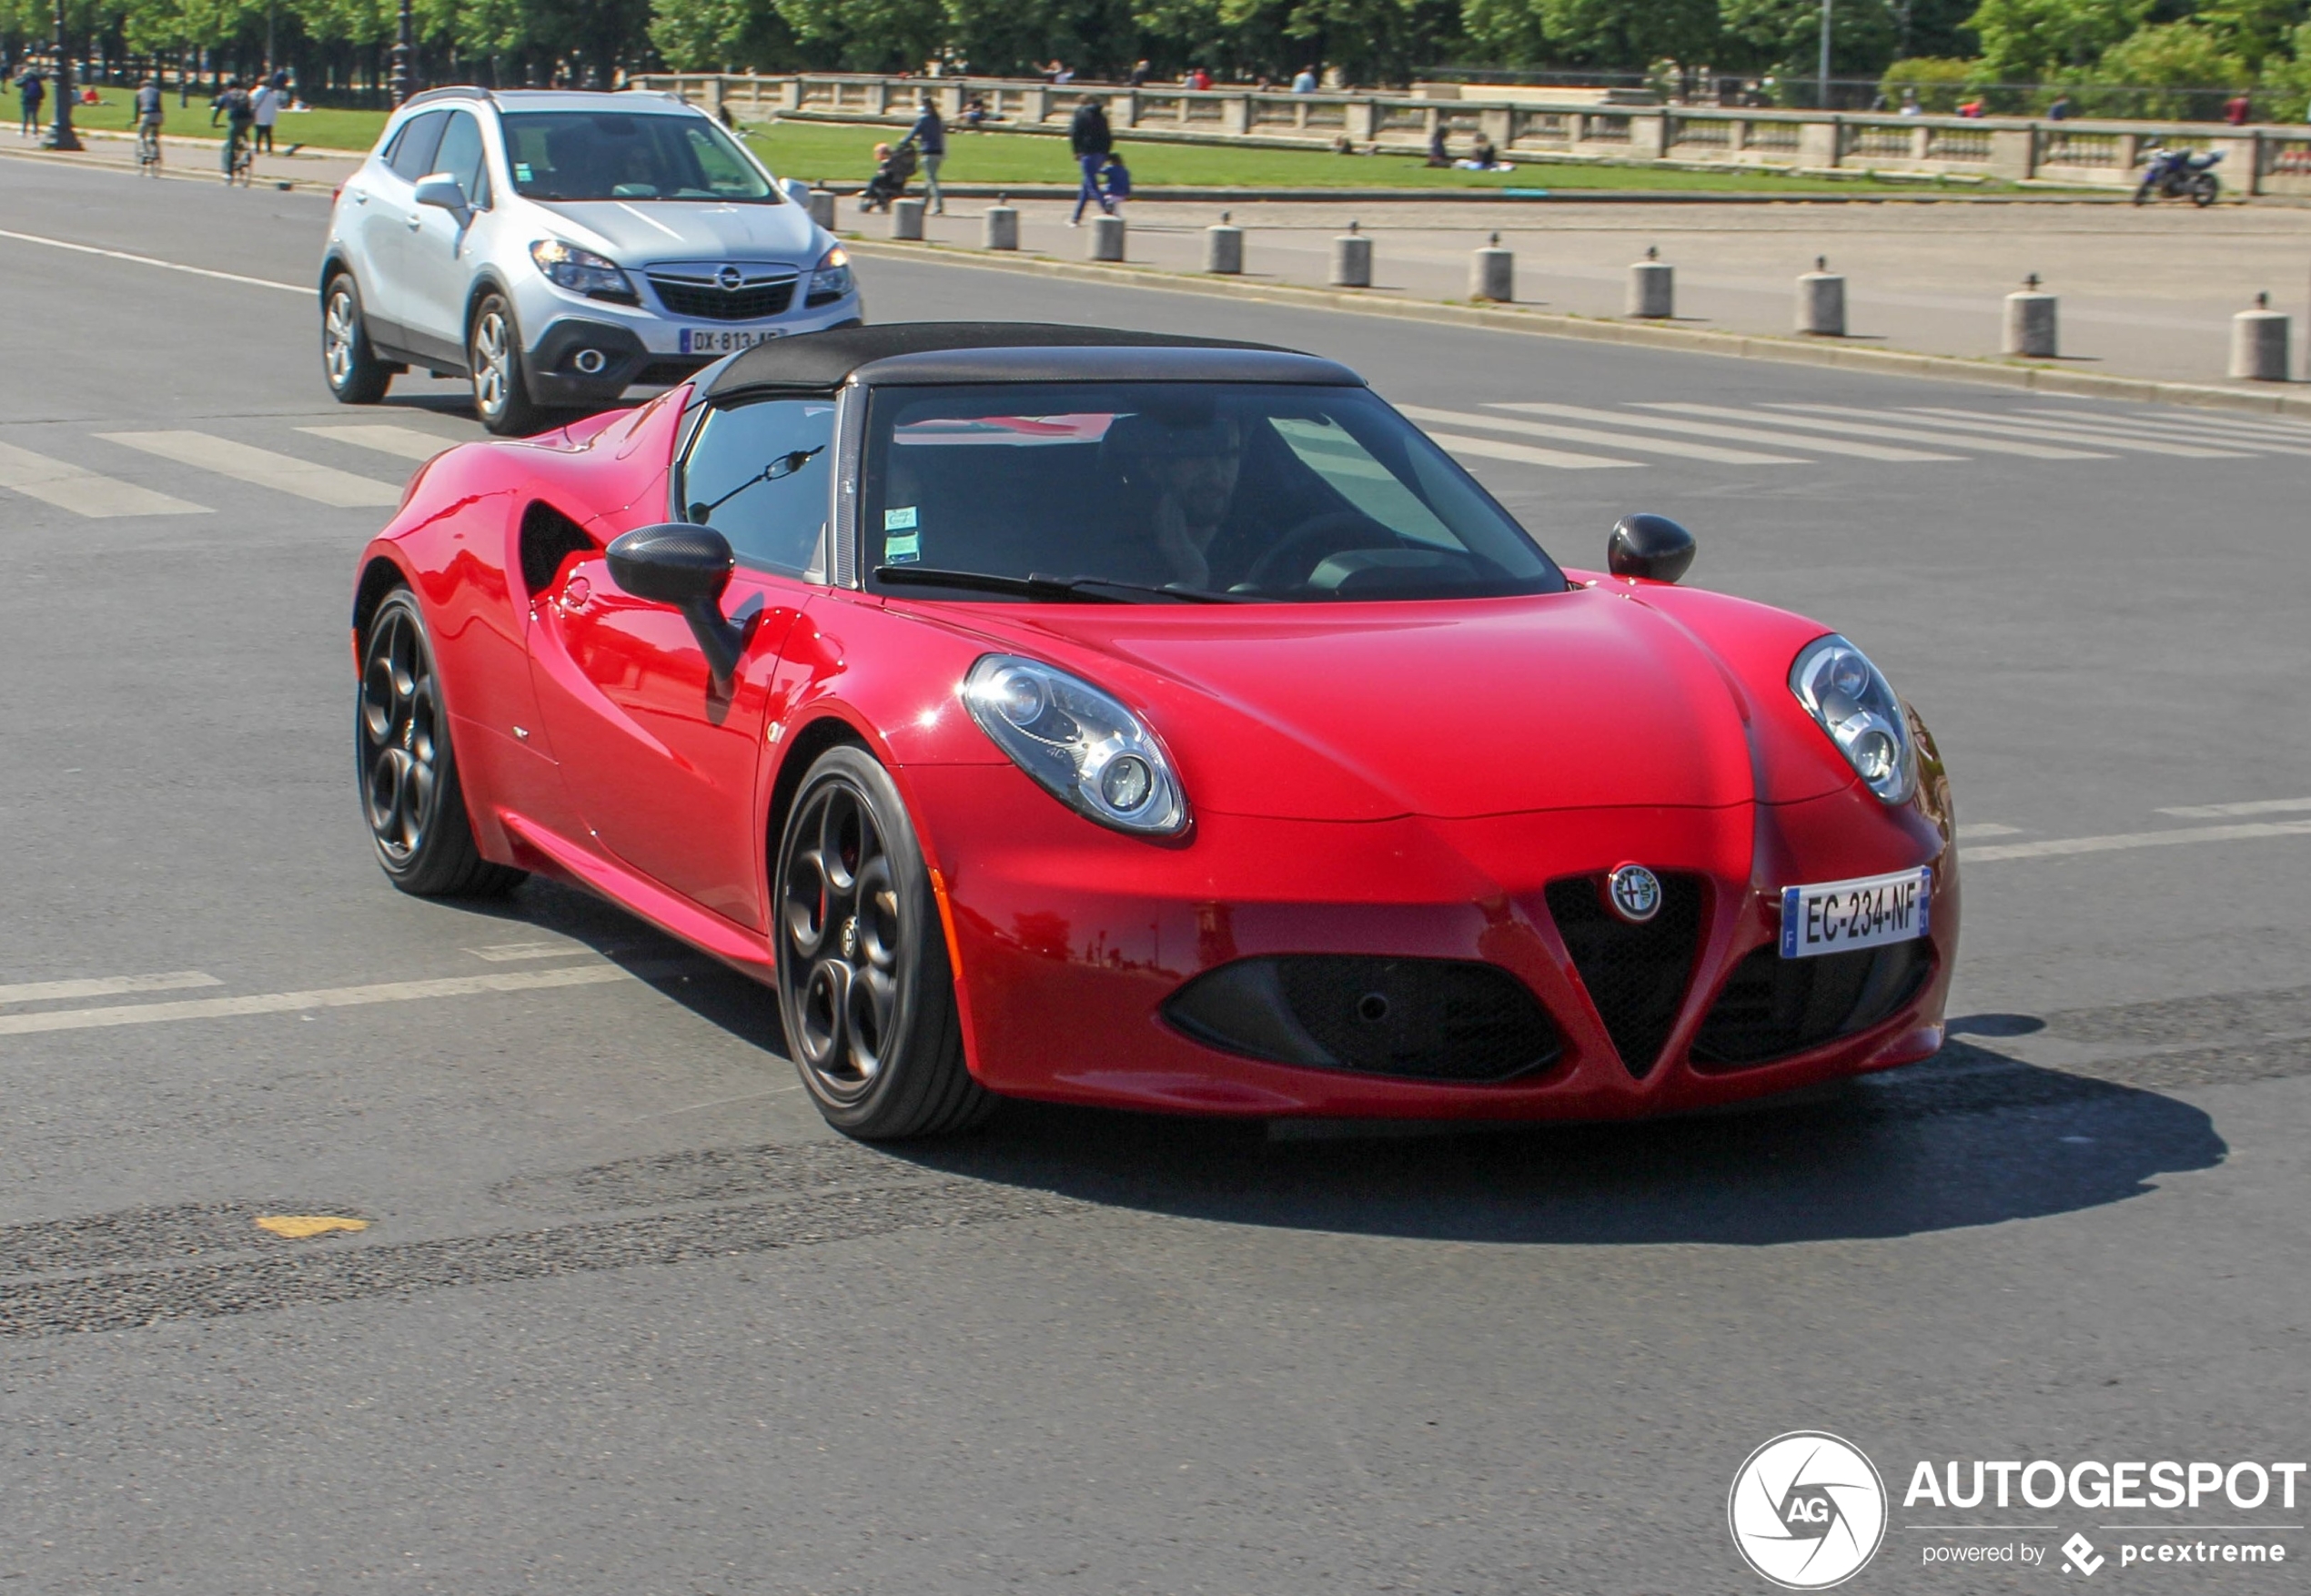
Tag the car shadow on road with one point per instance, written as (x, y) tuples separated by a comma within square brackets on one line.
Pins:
[(1971, 1137)]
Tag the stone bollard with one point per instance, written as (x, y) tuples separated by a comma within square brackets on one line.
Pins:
[(1224, 248), (1492, 273), (2029, 322), (822, 207), (1821, 301), (1352, 260), (1003, 224), (906, 219), (1107, 237), (2259, 343), (1652, 287)]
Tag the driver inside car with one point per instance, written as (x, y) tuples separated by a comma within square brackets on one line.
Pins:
[(1178, 474)]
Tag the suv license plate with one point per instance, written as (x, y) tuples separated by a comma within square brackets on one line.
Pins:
[(1835, 915), (721, 341)]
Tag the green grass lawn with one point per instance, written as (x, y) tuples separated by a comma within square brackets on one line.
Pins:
[(323, 129), (846, 154)]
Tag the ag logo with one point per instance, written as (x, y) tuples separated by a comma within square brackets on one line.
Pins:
[(1635, 893), (1808, 1511)]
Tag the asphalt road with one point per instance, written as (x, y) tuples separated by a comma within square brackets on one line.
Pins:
[(628, 1319)]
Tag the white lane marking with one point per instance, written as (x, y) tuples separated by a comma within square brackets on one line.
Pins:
[(82, 491), (1493, 448), (199, 271), (2009, 426), (276, 1002), (286, 473), (505, 953), (2174, 432), (2224, 811), (1986, 828), (1733, 434), (2221, 421), (1921, 433), (405, 442), (2055, 847), (105, 987), (1618, 439)]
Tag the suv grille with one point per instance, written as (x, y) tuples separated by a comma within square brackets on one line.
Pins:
[(1430, 1019), (706, 299), (1772, 1007), (1636, 974)]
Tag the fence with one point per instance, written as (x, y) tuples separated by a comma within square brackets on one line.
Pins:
[(2257, 160)]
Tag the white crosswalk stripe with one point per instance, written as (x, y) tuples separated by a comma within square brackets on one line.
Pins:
[(82, 491), (1896, 434), (1523, 453), (2009, 425), (2175, 432), (404, 442), (1877, 451), (2285, 431), (1620, 440), (207, 453)]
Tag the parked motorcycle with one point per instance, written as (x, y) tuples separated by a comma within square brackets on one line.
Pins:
[(2179, 173)]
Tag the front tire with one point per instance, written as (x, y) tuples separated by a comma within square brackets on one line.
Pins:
[(863, 983), (500, 378), (2204, 188), (350, 367), (410, 793)]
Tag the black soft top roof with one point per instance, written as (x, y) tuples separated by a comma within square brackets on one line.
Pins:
[(1009, 351)]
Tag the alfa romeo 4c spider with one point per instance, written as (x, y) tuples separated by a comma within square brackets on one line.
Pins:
[(1108, 718)]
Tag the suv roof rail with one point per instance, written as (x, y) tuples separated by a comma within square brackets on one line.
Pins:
[(462, 91)]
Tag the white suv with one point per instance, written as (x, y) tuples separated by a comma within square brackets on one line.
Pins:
[(562, 247)]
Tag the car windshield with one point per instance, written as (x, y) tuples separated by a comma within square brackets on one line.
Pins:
[(1274, 492), (624, 155)]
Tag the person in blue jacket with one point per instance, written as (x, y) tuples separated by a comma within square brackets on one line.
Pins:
[(930, 136)]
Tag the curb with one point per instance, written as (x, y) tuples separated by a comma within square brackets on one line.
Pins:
[(1066, 191), (2038, 377)]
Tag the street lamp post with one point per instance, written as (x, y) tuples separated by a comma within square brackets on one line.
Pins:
[(404, 48), (1824, 91), (60, 133)]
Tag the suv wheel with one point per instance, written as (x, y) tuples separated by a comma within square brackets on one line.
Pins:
[(500, 386), (355, 374)]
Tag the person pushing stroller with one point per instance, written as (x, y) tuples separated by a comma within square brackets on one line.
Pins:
[(893, 167)]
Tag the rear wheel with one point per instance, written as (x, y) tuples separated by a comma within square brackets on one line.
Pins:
[(2204, 188), (500, 380), (355, 374), (863, 982), (410, 793)]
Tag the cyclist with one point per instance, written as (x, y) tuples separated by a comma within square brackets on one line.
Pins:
[(238, 112), (148, 117)]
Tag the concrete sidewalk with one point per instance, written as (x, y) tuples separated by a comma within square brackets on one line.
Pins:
[(197, 159)]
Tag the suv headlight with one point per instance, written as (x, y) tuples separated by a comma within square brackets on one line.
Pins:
[(831, 278), (1086, 749), (581, 271), (1850, 698)]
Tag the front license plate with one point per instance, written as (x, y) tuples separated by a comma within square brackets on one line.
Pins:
[(1835, 915), (721, 341)]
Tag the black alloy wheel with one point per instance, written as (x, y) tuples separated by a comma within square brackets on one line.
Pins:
[(863, 983), (355, 374), (411, 795)]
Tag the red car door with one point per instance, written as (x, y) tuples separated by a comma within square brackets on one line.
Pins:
[(659, 759)]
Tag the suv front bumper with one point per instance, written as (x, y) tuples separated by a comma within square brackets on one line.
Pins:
[(595, 356)]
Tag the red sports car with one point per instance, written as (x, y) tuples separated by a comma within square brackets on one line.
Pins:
[(1054, 713)]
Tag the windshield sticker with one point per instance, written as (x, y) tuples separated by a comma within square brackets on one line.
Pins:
[(899, 520), (903, 550), (522, 171)]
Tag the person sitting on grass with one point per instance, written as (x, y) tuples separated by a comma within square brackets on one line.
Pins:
[(1438, 155)]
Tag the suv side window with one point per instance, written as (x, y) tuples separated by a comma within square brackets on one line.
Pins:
[(460, 157), (411, 157), (759, 474)]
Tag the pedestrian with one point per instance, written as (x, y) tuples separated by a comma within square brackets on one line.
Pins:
[(2061, 110), (1198, 79), (1088, 136), (1438, 155), (1909, 106), (2238, 108), (1115, 181), (974, 115), (1139, 73), (930, 136), (265, 105), (33, 89), (1305, 83)]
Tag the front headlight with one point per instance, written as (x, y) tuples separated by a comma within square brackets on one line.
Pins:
[(1850, 698), (581, 271), (831, 278), (1087, 750)]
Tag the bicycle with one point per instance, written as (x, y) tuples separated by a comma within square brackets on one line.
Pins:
[(240, 161), (148, 149)]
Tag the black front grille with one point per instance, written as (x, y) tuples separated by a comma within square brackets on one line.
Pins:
[(1636, 974), (667, 372), (1772, 1007), (712, 302), (1428, 1019)]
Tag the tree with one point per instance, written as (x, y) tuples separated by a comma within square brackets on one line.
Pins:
[(2025, 41), (2172, 57), (1785, 35), (1631, 32)]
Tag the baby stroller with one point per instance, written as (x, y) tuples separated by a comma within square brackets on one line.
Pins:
[(890, 179)]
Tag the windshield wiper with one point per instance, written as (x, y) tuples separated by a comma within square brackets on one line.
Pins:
[(1049, 590), (778, 470)]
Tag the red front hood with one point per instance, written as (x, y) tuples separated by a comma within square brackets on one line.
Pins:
[(1587, 699)]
